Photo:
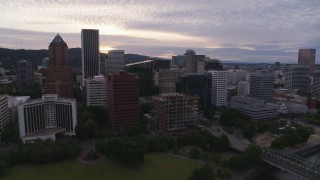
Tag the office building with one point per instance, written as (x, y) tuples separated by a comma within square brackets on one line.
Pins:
[(297, 77), (123, 100), (307, 58), (316, 83), (173, 112), (196, 84), (24, 74), (261, 85), (255, 108), (45, 118), (90, 55), (179, 61), (167, 79), (219, 88), (236, 75), (114, 62), (243, 88), (96, 91), (59, 75), (45, 62), (192, 61), (4, 112), (145, 70)]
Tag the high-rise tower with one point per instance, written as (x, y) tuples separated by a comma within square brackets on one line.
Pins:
[(307, 57), (59, 77), (90, 53)]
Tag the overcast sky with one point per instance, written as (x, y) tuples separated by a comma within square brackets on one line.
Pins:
[(237, 30)]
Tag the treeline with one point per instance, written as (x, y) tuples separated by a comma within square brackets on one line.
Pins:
[(131, 150), (292, 136), (39, 152)]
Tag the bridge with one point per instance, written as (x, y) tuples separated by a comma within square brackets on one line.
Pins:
[(292, 163)]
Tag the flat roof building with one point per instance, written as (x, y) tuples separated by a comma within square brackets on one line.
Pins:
[(256, 109), (96, 91)]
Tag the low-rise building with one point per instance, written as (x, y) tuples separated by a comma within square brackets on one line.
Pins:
[(256, 109)]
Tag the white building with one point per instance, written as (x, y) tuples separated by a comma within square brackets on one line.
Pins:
[(219, 88), (96, 91), (243, 88), (114, 62), (4, 112), (46, 117), (257, 109)]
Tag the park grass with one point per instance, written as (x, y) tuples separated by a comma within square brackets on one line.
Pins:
[(156, 167)]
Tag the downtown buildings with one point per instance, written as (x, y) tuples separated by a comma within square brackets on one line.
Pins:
[(90, 55), (261, 85), (4, 112), (59, 74), (114, 62), (96, 91)]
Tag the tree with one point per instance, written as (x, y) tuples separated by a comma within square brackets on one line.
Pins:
[(91, 127), (203, 173), (3, 167), (252, 154), (279, 142), (209, 112), (80, 131), (194, 153), (131, 153), (10, 132), (237, 162)]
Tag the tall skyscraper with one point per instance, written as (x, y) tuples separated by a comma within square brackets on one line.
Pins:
[(219, 88), (261, 85), (59, 76), (90, 53), (24, 74), (96, 91), (307, 57), (123, 100), (114, 62)]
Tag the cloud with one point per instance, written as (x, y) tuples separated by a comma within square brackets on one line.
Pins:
[(231, 28)]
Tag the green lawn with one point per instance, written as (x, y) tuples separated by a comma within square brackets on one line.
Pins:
[(156, 167)]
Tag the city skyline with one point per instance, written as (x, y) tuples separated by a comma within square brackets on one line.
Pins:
[(251, 31)]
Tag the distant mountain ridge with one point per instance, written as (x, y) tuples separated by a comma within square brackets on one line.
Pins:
[(8, 57)]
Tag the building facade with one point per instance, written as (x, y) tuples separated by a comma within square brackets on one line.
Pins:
[(255, 108), (261, 85), (90, 55), (196, 84), (123, 100), (114, 62), (179, 61), (243, 88), (145, 70), (4, 112), (167, 79), (297, 77), (192, 61), (219, 90), (59, 75), (46, 117), (307, 58), (24, 74), (96, 91), (173, 112)]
